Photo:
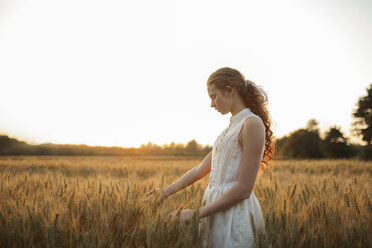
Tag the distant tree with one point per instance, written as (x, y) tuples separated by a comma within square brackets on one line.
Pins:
[(303, 144), (312, 126), (335, 135), (335, 144), (279, 147), (366, 153), (363, 117), (150, 145), (11, 146), (172, 145), (363, 123), (207, 149), (192, 146), (356, 149)]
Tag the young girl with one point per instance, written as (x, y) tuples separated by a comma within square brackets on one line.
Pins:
[(238, 155)]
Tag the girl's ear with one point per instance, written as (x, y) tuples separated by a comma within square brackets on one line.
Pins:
[(228, 91)]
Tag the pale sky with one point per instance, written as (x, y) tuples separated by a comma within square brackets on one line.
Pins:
[(124, 73)]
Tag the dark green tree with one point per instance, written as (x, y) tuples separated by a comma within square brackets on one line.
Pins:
[(279, 147), (335, 144), (363, 117), (303, 144), (312, 126), (363, 123)]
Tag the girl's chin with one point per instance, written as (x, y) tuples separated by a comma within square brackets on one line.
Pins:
[(221, 112)]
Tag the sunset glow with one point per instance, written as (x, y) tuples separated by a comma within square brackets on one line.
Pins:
[(116, 73)]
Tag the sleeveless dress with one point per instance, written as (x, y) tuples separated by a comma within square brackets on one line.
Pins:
[(231, 227)]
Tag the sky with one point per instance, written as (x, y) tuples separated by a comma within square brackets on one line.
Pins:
[(125, 73)]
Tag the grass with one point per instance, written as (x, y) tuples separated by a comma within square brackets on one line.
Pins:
[(58, 201)]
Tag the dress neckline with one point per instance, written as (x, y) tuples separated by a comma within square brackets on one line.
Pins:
[(240, 115)]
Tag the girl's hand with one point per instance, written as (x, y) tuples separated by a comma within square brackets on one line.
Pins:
[(185, 215), (155, 193)]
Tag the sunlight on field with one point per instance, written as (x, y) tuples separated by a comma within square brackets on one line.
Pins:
[(56, 201)]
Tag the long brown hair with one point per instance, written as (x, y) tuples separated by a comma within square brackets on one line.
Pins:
[(253, 99)]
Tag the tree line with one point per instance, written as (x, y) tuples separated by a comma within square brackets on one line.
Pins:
[(11, 146), (307, 143)]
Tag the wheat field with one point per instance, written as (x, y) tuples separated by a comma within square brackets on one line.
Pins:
[(88, 201)]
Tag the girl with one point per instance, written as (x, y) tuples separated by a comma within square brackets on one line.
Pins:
[(231, 213)]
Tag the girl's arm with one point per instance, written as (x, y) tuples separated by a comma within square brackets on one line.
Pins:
[(190, 177), (252, 141)]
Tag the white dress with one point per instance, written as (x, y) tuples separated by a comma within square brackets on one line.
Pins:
[(231, 227)]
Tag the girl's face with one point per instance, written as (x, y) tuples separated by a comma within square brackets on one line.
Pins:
[(220, 101)]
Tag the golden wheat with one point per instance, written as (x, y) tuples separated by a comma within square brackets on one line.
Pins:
[(57, 201)]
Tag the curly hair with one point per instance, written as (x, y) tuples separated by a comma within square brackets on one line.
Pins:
[(253, 99)]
